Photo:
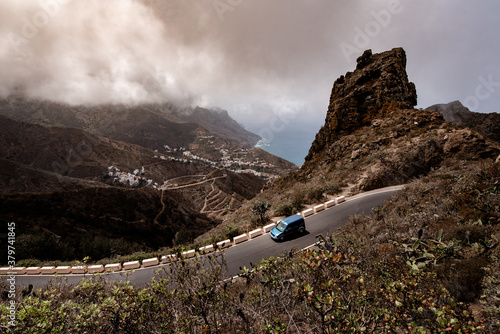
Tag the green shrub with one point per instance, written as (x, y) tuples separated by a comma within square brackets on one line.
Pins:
[(315, 195), (298, 202), (231, 231), (285, 209), (260, 209), (182, 237), (29, 263)]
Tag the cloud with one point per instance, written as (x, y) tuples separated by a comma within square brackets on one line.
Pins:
[(258, 59), (87, 52)]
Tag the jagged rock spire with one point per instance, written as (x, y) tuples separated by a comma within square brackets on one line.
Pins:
[(379, 82)]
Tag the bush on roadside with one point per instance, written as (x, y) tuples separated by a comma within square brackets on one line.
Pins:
[(285, 209), (231, 231)]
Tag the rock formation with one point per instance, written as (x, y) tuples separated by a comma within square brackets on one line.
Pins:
[(373, 136), (379, 82)]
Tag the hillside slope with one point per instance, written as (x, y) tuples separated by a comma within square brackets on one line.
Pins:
[(16, 177), (74, 194), (488, 124), (219, 122), (78, 154)]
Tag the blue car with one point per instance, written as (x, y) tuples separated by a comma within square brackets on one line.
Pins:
[(288, 226)]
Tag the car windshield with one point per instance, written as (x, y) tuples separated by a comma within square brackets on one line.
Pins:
[(281, 226)]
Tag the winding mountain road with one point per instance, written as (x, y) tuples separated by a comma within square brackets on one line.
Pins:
[(249, 252), (193, 184)]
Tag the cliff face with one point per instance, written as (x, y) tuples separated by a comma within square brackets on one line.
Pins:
[(379, 82)]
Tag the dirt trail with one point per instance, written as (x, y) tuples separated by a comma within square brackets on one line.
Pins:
[(216, 201), (206, 197), (162, 207)]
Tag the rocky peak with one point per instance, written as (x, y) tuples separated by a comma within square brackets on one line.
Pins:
[(452, 112), (488, 124), (379, 84)]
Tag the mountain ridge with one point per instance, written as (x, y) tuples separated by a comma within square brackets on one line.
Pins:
[(487, 124), (148, 125)]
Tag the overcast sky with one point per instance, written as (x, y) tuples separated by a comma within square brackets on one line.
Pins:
[(269, 63)]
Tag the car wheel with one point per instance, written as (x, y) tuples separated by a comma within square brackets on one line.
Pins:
[(302, 230), (281, 238)]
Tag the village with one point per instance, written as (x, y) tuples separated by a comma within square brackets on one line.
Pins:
[(237, 160), (134, 179)]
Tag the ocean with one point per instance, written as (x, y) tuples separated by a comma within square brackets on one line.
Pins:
[(290, 145)]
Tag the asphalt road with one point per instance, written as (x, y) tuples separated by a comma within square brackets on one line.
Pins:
[(249, 252), (324, 222)]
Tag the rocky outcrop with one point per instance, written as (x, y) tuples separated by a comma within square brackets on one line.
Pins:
[(379, 84), (411, 143), (486, 124)]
